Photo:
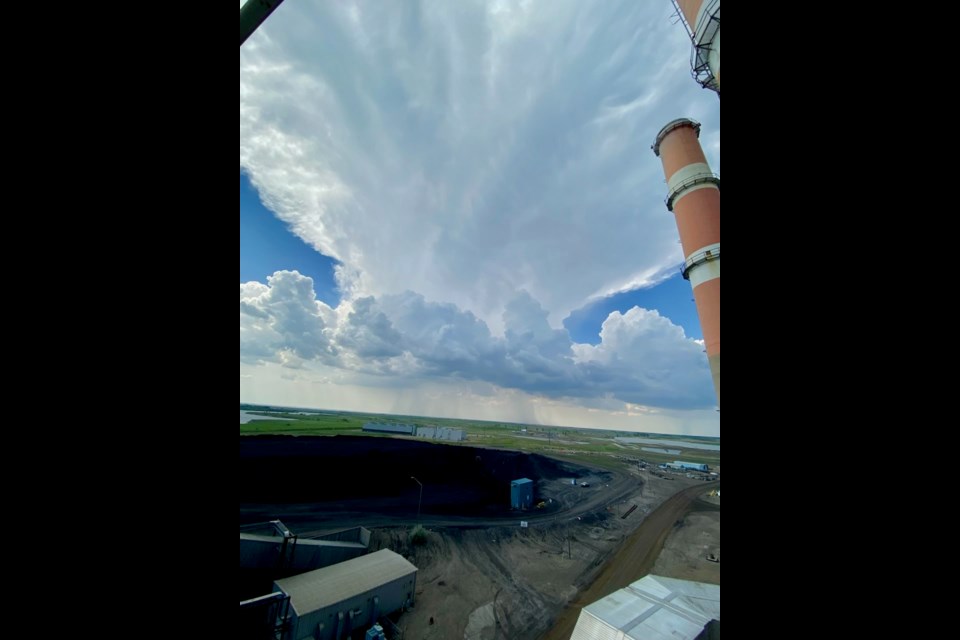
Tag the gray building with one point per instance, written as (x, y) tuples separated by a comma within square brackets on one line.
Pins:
[(331, 603), (382, 427), (266, 549)]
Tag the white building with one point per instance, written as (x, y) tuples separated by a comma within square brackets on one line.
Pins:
[(654, 608)]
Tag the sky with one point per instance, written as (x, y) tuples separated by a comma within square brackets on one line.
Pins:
[(452, 209)]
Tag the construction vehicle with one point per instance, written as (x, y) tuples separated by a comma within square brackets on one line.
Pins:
[(541, 505)]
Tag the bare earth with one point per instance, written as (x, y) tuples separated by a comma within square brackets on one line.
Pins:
[(633, 560), (481, 575), (508, 582), (685, 554)]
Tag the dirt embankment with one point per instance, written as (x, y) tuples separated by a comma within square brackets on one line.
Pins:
[(513, 583), (633, 560)]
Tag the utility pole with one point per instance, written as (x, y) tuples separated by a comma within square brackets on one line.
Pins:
[(421, 497)]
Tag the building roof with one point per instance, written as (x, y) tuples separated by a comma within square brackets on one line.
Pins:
[(522, 481), (327, 586), (653, 608)]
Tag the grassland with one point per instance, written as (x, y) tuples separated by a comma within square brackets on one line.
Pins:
[(590, 446)]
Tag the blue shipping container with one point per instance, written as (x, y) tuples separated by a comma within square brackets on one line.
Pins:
[(521, 493)]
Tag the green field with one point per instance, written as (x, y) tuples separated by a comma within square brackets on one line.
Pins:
[(590, 446)]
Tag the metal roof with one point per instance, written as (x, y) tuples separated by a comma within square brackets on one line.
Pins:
[(650, 609), (522, 481), (324, 587), (304, 542)]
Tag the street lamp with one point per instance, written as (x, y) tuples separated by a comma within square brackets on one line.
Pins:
[(421, 497)]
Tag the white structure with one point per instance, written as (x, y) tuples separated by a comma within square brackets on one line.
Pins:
[(442, 433), (654, 608), (431, 433)]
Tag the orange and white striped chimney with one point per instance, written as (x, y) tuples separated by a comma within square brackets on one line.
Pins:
[(694, 198), (702, 19)]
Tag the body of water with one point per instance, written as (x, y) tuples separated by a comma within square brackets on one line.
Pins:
[(671, 452), (675, 443)]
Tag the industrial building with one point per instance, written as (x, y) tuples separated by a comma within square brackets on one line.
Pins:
[(381, 427), (696, 466), (333, 602), (654, 607), (447, 434), (272, 546), (521, 493)]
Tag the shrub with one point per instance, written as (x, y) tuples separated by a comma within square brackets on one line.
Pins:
[(418, 535)]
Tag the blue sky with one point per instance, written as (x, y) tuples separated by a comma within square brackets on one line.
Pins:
[(452, 209), (672, 298), (267, 246)]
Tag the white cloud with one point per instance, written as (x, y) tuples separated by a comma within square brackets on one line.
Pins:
[(283, 321), (642, 358), (645, 359), (470, 150), (479, 169)]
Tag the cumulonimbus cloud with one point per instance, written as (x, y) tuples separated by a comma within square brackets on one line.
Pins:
[(470, 150), (642, 357)]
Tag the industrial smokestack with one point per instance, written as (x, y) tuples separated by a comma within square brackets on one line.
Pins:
[(694, 198), (702, 20)]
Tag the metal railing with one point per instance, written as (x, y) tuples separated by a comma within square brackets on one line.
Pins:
[(706, 32), (701, 257), (700, 178)]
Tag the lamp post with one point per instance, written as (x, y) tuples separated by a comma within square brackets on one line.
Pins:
[(421, 497)]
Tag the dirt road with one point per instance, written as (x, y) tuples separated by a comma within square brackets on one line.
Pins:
[(632, 561), (310, 519)]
